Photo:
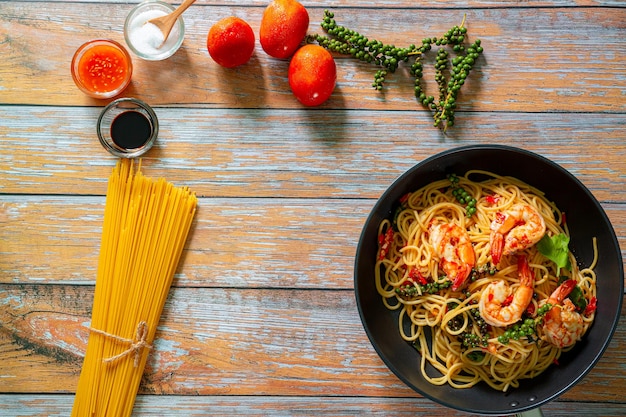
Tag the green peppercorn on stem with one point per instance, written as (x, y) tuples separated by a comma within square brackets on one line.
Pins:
[(462, 196), (461, 67), (450, 75)]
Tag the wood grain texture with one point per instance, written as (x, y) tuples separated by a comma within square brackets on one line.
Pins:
[(253, 406), (243, 242), (261, 319), (385, 4), (294, 153), (239, 342), (520, 70)]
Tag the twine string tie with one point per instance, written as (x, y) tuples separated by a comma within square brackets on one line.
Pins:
[(135, 346)]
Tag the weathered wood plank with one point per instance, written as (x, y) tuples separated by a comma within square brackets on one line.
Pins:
[(229, 342), (293, 153), (240, 243), (388, 4), (266, 406), (519, 71), (262, 319), (244, 242)]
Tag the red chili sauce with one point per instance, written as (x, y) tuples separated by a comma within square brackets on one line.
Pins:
[(103, 68)]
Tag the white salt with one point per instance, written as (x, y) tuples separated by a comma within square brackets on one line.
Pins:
[(148, 38)]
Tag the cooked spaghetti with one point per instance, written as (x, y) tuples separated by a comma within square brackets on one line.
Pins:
[(146, 223), (485, 285)]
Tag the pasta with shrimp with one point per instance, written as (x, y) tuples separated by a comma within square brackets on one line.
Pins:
[(465, 261)]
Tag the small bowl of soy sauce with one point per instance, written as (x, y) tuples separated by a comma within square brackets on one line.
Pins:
[(127, 127)]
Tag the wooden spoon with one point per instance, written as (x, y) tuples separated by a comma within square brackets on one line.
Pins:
[(167, 22)]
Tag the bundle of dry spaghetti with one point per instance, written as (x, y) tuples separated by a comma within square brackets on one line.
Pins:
[(146, 223)]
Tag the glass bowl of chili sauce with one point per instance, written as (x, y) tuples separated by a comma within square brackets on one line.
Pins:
[(102, 68)]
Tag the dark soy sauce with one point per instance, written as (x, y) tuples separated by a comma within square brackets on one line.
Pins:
[(131, 130)]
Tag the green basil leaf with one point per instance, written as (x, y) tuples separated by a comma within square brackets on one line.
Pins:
[(578, 299), (556, 249)]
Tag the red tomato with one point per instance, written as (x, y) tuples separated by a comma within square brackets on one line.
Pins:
[(312, 75), (230, 42), (283, 28)]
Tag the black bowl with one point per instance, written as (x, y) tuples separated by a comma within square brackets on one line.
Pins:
[(585, 218)]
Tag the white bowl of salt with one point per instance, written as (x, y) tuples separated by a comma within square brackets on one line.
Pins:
[(145, 39)]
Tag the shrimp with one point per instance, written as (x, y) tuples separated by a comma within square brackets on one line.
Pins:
[(453, 247), (499, 306), (516, 229), (562, 325)]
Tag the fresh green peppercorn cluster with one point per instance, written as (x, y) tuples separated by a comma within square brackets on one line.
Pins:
[(379, 79), (441, 66), (450, 74), (346, 41), (469, 339), (460, 72), (527, 328), (543, 309), (481, 323), (462, 196), (482, 271), (472, 340), (411, 291), (481, 339), (519, 330)]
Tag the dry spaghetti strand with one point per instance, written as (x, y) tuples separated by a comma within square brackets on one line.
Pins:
[(146, 224)]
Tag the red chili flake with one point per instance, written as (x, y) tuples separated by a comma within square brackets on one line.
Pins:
[(556, 361), (530, 310), (492, 199), (508, 300), (404, 198), (490, 297), (416, 277), (385, 242), (563, 221), (591, 306)]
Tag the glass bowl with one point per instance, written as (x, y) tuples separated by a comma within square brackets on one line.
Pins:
[(146, 40), (127, 127), (102, 68)]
